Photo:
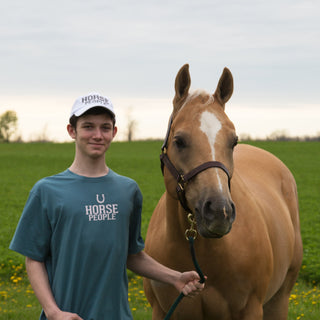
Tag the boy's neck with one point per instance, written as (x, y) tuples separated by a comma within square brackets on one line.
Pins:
[(89, 168)]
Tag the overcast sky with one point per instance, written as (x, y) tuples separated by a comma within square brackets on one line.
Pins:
[(53, 51)]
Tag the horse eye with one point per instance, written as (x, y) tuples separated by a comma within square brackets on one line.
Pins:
[(179, 142), (235, 142)]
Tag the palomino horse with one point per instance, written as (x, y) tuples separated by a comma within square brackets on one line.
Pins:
[(249, 243)]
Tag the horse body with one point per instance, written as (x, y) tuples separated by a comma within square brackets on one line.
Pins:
[(249, 245)]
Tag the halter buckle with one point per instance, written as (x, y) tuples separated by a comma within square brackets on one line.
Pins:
[(182, 182), (191, 232)]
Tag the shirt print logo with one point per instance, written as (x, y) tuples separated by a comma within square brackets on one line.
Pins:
[(101, 211), (103, 199)]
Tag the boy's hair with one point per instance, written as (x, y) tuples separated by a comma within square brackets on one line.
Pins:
[(93, 111)]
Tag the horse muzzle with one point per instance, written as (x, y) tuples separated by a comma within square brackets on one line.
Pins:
[(214, 216)]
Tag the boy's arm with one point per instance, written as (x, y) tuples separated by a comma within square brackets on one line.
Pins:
[(38, 278), (186, 282)]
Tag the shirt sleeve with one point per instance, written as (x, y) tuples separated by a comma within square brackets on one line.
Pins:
[(136, 243), (33, 233)]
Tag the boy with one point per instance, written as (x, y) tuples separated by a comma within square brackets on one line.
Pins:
[(80, 229)]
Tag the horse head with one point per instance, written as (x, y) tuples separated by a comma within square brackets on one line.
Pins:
[(201, 133)]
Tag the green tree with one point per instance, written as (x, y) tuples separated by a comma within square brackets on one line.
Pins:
[(8, 125)]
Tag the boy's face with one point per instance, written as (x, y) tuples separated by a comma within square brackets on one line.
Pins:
[(93, 134)]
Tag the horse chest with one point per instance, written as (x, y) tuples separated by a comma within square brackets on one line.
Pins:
[(211, 305)]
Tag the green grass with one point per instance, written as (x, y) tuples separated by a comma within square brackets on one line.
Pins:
[(21, 165)]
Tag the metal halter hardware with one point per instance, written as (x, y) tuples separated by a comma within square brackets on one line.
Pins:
[(183, 179)]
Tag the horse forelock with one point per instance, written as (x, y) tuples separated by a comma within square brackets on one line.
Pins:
[(200, 94)]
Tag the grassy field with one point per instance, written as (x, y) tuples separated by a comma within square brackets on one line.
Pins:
[(21, 165)]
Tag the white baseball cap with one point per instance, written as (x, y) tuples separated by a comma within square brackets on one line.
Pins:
[(91, 100)]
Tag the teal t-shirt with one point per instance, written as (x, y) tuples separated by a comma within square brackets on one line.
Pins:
[(83, 229)]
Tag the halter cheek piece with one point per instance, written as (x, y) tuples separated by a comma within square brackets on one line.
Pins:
[(183, 179)]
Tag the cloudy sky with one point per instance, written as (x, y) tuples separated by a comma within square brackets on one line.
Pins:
[(54, 51)]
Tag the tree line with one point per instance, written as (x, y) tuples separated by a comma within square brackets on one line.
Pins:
[(8, 125)]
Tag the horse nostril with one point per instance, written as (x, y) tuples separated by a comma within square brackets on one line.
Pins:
[(207, 206), (208, 210)]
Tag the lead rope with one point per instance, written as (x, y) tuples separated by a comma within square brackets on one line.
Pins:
[(190, 234)]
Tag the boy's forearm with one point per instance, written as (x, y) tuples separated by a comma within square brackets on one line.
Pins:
[(144, 265), (38, 278)]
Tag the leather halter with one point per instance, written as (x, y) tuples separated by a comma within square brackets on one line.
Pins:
[(183, 179)]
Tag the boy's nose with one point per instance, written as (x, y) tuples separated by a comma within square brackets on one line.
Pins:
[(97, 134)]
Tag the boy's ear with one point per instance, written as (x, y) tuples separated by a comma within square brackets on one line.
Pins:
[(72, 131), (115, 130)]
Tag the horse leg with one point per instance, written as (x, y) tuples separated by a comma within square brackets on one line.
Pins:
[(277, 307), (157, 312), (252, 311)]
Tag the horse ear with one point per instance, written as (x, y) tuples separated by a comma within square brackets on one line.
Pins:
[(182, 85), (225, 87)]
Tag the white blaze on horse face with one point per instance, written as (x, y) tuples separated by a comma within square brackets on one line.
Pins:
[(210, 126)]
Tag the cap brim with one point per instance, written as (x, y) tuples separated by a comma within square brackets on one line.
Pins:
[(84, 109)]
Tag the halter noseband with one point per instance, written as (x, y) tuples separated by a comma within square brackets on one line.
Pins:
[(183, 179)]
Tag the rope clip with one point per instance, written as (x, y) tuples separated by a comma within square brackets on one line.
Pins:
[(191, 232)]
